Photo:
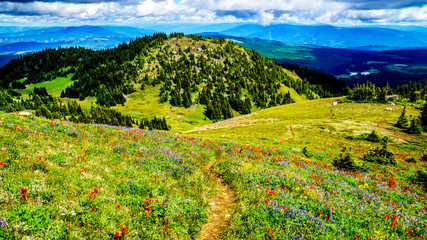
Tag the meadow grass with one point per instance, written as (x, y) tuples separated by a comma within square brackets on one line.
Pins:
[(88, 181), (54, 87)]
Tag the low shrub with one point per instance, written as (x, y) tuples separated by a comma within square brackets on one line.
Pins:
[(410, 160), (346, 161), (381, 155)]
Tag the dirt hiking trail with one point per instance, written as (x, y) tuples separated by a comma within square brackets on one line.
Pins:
[(221, 206)]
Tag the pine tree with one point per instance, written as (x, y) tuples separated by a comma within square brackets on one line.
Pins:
[(423, 117), (415, 127), (403, 121)]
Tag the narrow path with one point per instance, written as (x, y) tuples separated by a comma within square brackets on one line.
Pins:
[(220, 209), (330, 107), (290, 129)]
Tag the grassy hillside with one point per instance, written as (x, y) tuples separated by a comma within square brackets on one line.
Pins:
[(98, 179), (103, 182), (314, 122), (158, 79)]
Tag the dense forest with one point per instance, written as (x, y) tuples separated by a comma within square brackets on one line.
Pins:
[(368, 92), (48, 106), (190, 70), (326, 85)]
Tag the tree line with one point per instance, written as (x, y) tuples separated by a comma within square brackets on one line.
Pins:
[(45, 105)]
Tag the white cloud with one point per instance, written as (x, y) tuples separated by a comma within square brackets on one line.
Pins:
[(163, 8), (264, 12), (265, 18)]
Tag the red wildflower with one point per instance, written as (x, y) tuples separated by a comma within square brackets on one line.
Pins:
[(24, 196), (93, 208), (118, 206), (179, 215), (124, 229), (269, 230), (95, 190), (117, 234), (2, 163), (24, 190), (69, 226)]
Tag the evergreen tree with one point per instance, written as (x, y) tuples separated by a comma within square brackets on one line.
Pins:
[(403, 121), (415, 127), (423, 117)]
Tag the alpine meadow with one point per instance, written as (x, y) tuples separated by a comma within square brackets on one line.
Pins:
[(111, 133)]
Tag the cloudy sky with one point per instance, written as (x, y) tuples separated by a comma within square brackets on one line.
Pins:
[(128, 12)]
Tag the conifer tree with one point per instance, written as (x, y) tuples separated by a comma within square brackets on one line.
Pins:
[(415, 127), (423, 117), (403, 121)]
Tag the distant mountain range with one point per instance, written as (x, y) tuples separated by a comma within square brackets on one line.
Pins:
[(331, 36), (395, 54), (393, 66), (95, 37)]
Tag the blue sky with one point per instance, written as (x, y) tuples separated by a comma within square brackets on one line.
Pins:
[(132, 12)]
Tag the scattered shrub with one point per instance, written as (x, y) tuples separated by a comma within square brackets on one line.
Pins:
[(380, 155), (346, 161), (404, 121), (420, 178), (306, 152), (424, 157), (410, 160), (415, 127), (374, 137)]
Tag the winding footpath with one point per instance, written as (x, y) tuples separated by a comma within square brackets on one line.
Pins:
[(290, 129), (221, 206), (330, 107)]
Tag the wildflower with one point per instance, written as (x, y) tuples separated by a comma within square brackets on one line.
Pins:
[(69, 226), (95, 190), (124, 229), (3, 223), (93, 208), (24, 190), (2, 163), (118, 206), (117, 234), (24, 196), (73, 213)]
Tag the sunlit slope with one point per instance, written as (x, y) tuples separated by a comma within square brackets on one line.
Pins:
[(321, 121)]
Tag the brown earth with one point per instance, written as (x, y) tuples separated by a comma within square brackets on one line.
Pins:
[(221, 206)]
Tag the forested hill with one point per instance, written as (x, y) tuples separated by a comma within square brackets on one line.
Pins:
[(190, 70)]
